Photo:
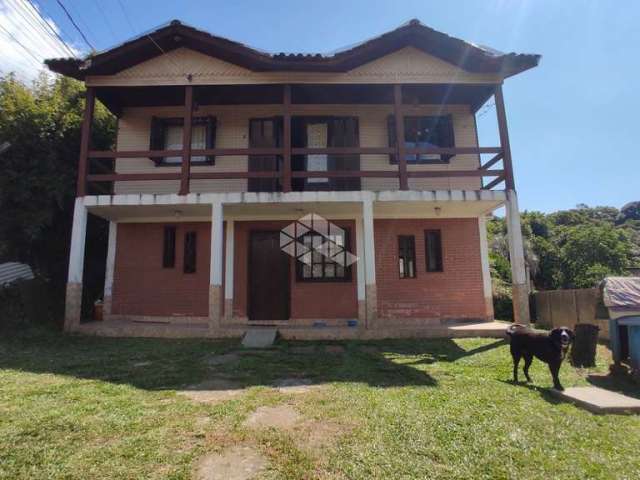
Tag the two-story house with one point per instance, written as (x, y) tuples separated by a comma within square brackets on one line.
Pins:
[(336, 195)]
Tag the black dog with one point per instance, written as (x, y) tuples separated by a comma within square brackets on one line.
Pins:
[(551, 348)]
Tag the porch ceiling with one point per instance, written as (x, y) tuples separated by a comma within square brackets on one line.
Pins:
[(262, 206)]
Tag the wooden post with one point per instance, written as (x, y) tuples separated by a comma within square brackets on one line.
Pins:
[(186, 140), (286, 132), (399, 119), (85, 141), (504, 138)]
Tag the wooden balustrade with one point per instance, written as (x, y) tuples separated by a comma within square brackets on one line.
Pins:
[(286, 174)]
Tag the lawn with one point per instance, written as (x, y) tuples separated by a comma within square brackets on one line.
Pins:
[(91, 408)]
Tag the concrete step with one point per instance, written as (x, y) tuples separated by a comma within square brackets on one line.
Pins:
[(599, 400), (259, 337)]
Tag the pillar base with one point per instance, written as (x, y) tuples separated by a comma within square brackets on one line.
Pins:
[(106, 305), (520, 295), (228, 309), (215, 306), (362, 312), (73, 306), (371, 292)]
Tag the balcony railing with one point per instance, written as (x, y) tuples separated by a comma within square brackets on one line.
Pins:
[(286, 152)]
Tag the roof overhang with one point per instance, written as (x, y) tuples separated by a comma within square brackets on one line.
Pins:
[(460, 53)]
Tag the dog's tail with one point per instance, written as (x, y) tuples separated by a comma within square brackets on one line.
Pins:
[(511, 329)]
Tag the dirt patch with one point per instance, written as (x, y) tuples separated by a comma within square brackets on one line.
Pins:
[(281, 416), (212, 391), (316, 434), (235, 463), (295, 385), (223, 359)]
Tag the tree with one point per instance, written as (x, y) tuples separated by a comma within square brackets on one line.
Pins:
[(38, 181), (591, 252)]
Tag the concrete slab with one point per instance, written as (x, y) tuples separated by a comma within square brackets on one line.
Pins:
[(236, 463), (599, 400), (259, 338)]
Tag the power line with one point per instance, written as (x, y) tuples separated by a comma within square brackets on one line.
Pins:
[(33, 55), (60, 26), (48, 27), (73, 22), (124, 12), (106, 19), (33, 31)]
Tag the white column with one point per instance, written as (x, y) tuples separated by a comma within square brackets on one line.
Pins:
[(110, 267), (73, 303), (486, 271), (369, 263), (216, 265), (228, 271), (360, 273), (520, 289)]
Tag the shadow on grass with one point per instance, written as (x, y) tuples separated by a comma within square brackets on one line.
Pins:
[(616, 383), (168, 364), (545, 392)]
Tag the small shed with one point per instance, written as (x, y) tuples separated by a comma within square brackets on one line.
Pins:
[(621, 296)]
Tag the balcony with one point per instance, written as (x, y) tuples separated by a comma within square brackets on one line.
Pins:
[(286, 163)]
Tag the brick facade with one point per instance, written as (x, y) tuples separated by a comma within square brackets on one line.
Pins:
[(143, 287), (308, 299), (455, 293)]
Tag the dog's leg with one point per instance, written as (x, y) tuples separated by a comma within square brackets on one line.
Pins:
[(528, 358), (516, 360), (555, 370)]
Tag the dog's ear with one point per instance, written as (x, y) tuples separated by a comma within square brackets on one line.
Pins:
[(571, 334), (554, 335)]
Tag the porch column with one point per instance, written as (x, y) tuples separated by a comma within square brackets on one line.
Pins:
[(85, 141), (228, 271), (369, 263), (111, 263), (216, 265), (486, 271), (520, 286), (360, 273), (185, 171), (73, 302)]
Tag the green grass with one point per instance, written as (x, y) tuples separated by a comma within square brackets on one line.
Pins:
[(74, 407)]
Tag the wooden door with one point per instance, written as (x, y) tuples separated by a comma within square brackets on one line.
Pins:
[(264, 133), (268, 277)]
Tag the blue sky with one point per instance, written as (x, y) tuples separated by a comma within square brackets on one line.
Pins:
[(573, 120)]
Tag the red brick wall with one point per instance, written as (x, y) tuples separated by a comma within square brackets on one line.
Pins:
[(142, 287), (308, 300), (456, 292)]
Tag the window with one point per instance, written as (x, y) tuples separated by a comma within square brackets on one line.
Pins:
[(424, 132), (407, 256), (190, 241), (166, 134), (433, 250), (325, 132), (169, 248), (328, 266)]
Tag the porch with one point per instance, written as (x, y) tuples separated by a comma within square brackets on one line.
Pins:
[(348, 307)]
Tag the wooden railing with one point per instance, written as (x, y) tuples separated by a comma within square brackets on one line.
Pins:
[(483, 171), (286, 174)]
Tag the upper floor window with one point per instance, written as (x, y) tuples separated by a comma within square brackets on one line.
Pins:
[(166, 134), (325, 132), (424, 132)]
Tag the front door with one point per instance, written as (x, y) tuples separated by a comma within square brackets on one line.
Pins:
[(268, 277)]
